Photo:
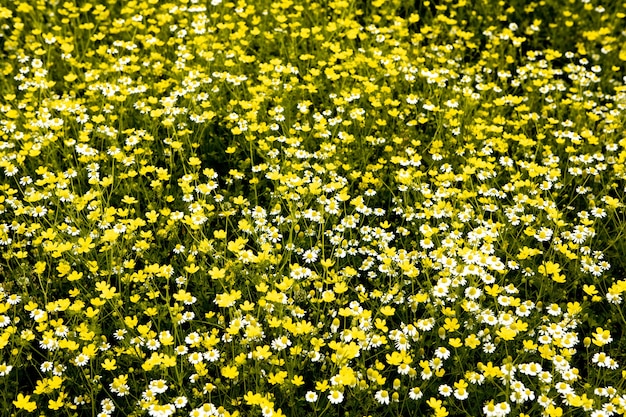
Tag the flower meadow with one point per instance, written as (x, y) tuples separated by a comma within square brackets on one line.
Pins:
[(312, 208)]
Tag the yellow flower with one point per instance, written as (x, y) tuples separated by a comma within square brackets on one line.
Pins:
[(553, 411), (58, 403), (192, 268), (560, 278), (602, 337), (40, 267), (74, 276), (321, 386), (455, 342), (247, 306), (63, 268), (23, 403), (297, 380), (230, 372), (237, 245), (490, 371), (277, 378), (547, 268), (387, 310), (217, 273), (451, 324), (226, 300), (506, 333), (85, 245), (109, 364), (219, 234), (434, 403), (253, 398), (396, 358), (328, 296), (590, 289)]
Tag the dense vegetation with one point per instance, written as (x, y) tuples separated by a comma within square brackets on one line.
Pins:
[(307, 208)]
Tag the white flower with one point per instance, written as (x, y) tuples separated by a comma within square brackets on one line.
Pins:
[(496, 410), (415, 393), (442, 353), (310, 396), (14, 299), (212, 355), (544, 234), (382, 396), (159, 386), (81, 360), (195, 357), (604, 361), (445, 390), (461, 394), (108, 406), (404, 369), (180, 402), (5, 369), (335, 396)]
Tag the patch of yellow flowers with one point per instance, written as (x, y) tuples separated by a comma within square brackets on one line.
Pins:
[(233, 208)]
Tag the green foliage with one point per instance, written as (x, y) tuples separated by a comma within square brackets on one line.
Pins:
[(312, 208)]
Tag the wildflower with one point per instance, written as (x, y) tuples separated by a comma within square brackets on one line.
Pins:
[(23, 402), (544, 234), (603, 360), (415, 393), (496, 410), (5, 369), (81, 360), (382, 397), (442, 353), (230, 372), (14, 299), (119, 385), (553, 411), (107, 406), (602, 337), (445, 390), (460, 391), (335, 396)]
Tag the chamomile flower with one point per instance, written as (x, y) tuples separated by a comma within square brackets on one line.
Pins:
[(335, 396)]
